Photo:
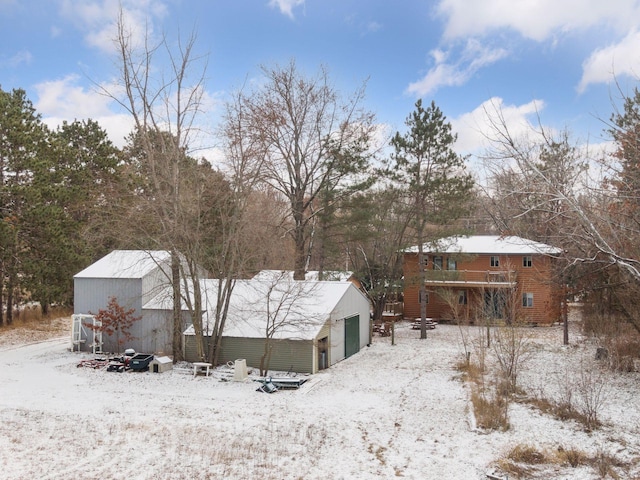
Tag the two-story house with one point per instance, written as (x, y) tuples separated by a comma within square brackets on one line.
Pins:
[(484, 277)]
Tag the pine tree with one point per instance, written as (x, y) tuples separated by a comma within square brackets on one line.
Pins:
[(438, 189)]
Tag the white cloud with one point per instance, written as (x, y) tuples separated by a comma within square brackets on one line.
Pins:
[(64, 99), (609, 62), (97, 19), (286, 6), (475, 129), (473, 57), (537, 20)]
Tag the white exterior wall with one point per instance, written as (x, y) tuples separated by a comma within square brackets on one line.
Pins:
[(352, 303), (336, 341)]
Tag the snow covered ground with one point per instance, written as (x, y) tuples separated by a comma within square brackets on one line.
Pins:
[(388, 411)]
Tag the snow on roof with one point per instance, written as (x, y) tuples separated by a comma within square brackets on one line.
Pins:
[(332, 275), (298, 308), (162, 360), (489, 244), (125, 264)]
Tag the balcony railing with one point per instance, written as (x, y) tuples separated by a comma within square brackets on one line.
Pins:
[(503, 278)]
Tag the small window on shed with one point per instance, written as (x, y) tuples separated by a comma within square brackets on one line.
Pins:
[(437, 262), (527, 300), (495, 261), (527, 261)]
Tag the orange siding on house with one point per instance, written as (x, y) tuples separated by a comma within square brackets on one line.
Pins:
[(535, 279)]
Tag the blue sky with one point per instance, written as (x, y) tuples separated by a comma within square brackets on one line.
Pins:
[(563, 61)]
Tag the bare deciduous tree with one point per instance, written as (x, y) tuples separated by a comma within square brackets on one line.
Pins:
[(306, 140), (172, 209), (546, 180)]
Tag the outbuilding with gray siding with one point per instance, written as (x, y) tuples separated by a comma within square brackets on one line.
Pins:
[(133, 277), (325, 322)]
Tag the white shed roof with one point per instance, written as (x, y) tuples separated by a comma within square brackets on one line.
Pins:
[(479, 244), (299, 308), (333, 275), (125, 264)]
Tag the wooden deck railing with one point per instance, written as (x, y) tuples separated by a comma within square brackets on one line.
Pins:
[(471, 276)]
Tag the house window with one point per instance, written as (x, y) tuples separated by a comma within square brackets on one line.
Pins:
[(527, 261), (424, 296), (462, 297), (495, 261), (527, 299), (451, 264), (437, 262)]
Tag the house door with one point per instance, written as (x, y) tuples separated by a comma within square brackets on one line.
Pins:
[(494, 303), (351, 336), (323, 353)]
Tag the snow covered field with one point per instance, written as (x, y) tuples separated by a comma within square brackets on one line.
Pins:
[(388, 411)]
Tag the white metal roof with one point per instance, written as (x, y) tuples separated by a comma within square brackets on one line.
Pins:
[(332, 275), (487, 244), (300, 308), (125, 264)]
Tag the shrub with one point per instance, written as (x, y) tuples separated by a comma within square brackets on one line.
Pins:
[(572, 457), (512, 348), (527, 454), (115, 320), (491, 412), (519, 460)]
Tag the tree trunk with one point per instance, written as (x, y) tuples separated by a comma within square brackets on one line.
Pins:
[(423, 292), (565, 318), (10, 288), (300, 260), (177, 308), (1, 297)]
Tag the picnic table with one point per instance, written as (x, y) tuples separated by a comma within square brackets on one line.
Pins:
[(416, 324), (383, 329)]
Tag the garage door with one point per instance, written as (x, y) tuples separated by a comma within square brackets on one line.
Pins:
[(351, 335)]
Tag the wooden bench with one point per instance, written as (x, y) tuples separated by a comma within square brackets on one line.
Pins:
[(201, 367)]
